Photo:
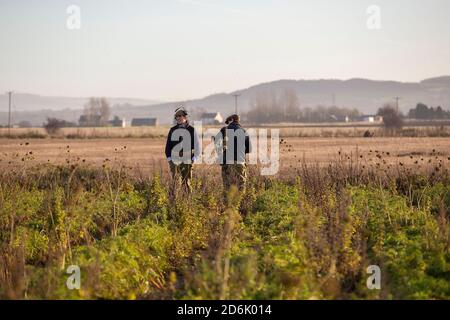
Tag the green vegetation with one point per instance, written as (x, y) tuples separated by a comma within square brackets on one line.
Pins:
[(309, 236)]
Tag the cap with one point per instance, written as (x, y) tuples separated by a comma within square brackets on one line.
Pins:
[(180, 111), (232, 118)]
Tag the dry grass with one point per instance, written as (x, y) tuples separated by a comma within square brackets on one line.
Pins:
[(148, 154), (88, 133), (358, 131), (286, 130)]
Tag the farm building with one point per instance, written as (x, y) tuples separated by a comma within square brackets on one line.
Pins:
[(340, 118), (117, 122), (143, 122), (212, 118), (370, 118)]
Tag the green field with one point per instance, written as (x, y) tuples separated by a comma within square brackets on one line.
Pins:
[(309, 236)]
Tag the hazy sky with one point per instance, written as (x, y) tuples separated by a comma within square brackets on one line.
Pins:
[(181, 49)]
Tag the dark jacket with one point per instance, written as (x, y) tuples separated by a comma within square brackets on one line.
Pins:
[(229, 140), (175, 137)]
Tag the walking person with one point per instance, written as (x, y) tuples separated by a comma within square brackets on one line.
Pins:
[(233, 144), (182, 150)]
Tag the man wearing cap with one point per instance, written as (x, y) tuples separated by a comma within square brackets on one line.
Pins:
[(182, 149), (233, 144)]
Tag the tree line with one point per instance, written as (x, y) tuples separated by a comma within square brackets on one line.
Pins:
[(284, 106), (96, 112), (422, 111)]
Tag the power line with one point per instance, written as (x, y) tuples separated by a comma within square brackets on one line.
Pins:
[(9, 112), (236, 95), (396, 99)]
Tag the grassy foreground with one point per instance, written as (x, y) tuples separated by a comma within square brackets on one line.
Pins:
[(310, 234)]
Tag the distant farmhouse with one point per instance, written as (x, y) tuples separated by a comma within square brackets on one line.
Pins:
[(117, 122), (362, 118), (144, 122), (211, 118), (370, 118), (340, 118)]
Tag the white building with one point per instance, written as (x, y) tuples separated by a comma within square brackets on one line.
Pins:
[(371, 118), (212, 118)]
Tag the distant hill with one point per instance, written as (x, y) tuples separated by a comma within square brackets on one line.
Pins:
[(34, 102), (363, 94), (439, 81)]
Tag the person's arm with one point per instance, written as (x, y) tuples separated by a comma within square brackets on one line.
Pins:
[(248, 143), (218, 144), (168, 146), (218, 138), (197, 146)]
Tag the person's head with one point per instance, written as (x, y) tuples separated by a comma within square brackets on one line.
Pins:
[(181, 115), (232, 118)]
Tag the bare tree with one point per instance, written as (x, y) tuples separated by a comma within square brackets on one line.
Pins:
[(291, 105), (392, 119), (53, 125), (105, 111), (97, 111), (260, 107), (268, 106), (90, 110)]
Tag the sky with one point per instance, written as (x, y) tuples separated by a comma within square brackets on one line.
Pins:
[(183, 49)]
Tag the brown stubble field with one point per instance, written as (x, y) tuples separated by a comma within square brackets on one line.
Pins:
[(147, 154)]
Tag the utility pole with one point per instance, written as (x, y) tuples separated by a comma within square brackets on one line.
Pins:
[(236, 95), (396, 99), (9, 113)]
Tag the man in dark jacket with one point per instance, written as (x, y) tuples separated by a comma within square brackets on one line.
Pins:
[(233, 143), (182, 149)]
